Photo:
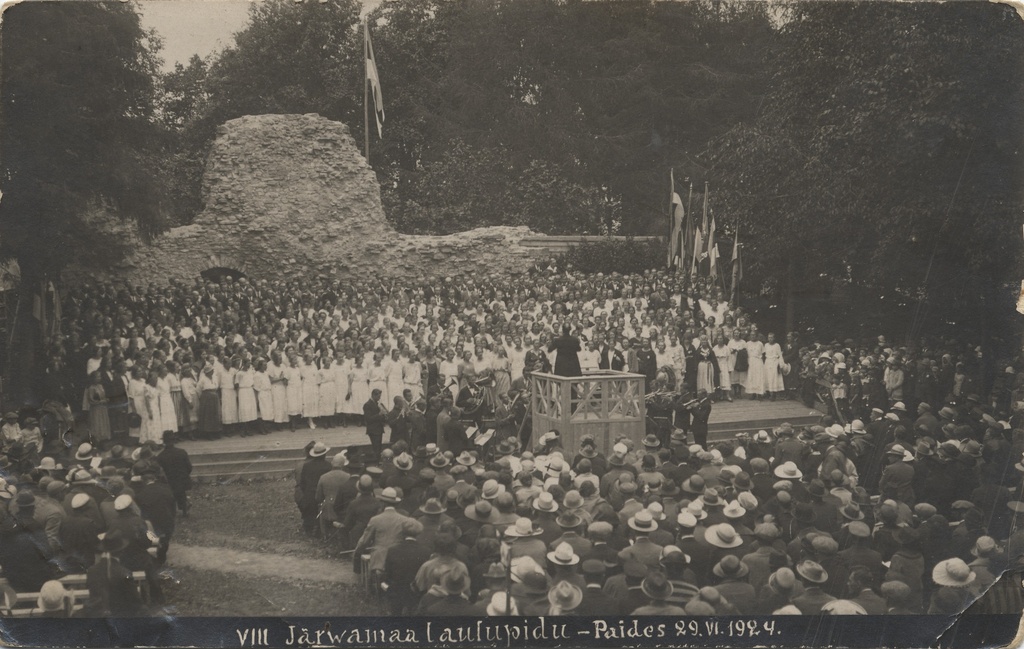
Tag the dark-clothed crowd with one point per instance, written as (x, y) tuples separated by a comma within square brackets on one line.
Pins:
[(876, 517), (102, 514), (904, 498)]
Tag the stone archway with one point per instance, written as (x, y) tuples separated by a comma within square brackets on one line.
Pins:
[(216, 274)]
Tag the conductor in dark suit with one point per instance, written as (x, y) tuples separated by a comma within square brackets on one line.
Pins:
[(375, 416), (567, 361)]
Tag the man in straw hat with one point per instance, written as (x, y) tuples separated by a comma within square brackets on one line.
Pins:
[(383, 531), (812, 576), (315, 466)]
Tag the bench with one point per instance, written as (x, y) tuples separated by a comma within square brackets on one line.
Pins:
[(25, 604)]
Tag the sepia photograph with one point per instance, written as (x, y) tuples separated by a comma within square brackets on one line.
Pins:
[(511, 323)]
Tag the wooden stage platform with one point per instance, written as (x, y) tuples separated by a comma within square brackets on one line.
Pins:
[(277, 454)]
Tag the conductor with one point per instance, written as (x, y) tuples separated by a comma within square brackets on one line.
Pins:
[(567, 361)]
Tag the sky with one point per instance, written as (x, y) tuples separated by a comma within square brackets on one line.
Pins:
[(198, 26), (193, 26)]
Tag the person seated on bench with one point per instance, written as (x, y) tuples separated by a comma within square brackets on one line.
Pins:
[(54, 601), (112, 590)]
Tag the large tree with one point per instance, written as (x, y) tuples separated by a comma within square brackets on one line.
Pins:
[(77, 129), (77, 137), (884, 166)]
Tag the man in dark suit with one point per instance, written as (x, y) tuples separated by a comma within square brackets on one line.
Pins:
[(401, 564), (611, 358), (315, 466), (700, 413), (567, 359), (417, 424), (375, 416), (112, 592), (178, 468), (156, 502), (595, 600)]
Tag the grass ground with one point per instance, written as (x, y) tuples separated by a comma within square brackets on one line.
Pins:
[(256, 517)]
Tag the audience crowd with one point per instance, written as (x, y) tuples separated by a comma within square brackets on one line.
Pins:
[(904, 498)]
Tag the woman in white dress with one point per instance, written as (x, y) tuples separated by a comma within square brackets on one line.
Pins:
[(168, 416), (773, 383), (740, 362), (293, 385), (310, 389), (377, 374), (264, 397), (278, 390), (247, 409), (341, 369), (328, 397), (190, 397), (396, 370), (137, 396), (725, 360), (151, 414), (359, 386), (755, 371), (448, 371), (412, 376), (229, 396)]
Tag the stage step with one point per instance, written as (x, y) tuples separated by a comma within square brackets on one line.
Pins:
[(278, 454)]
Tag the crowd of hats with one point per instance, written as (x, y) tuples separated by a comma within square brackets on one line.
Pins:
[(731, 529), (78, 504)]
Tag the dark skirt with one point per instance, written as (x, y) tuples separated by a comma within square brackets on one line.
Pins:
[(209, 412)]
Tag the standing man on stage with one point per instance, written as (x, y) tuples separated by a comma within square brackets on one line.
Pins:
[(375, 416), (567, 361), (700, 412)]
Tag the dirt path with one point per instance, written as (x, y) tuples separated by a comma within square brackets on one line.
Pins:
[(260, 564)]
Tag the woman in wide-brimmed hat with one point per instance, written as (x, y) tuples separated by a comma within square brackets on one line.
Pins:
[(956, 587)]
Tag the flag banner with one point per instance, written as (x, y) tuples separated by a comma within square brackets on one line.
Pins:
[(712, 250), (676, 222), (374, 79), (698, 251)]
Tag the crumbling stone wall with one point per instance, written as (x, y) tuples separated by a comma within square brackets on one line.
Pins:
[(291, 195)]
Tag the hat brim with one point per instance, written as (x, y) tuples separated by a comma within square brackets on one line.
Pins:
[(743, 571), (813, 580), (778, 474), (943, 579), (553, 559), (322, 453), (385, 499)]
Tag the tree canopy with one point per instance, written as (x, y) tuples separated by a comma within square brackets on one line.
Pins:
[(885, 161), (77, 129)]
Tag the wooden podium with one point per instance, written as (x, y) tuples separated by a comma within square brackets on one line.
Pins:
[(603, 403)]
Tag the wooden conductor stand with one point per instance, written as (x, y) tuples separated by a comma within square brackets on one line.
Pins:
[(603, 403)]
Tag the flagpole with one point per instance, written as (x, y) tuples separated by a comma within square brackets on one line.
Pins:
[(366, 92), (704, 223), (671, 215), (687, 268)]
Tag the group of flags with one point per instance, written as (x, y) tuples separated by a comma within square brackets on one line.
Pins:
[(692, 246)]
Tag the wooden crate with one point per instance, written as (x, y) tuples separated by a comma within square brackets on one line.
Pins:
[(604, 403)]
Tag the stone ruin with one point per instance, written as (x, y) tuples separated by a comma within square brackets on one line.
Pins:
[(292, 196)]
